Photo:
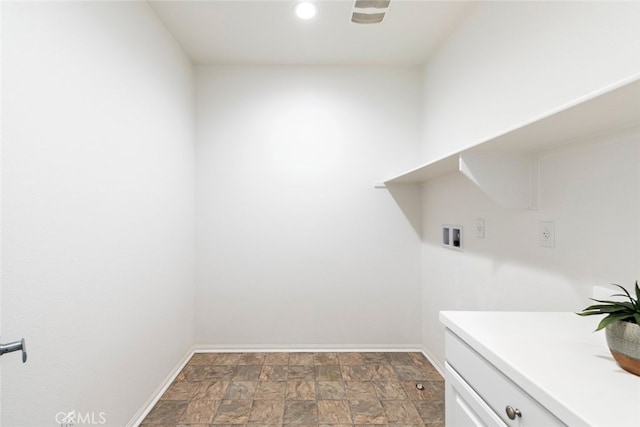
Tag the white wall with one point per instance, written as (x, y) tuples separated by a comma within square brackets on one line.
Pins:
[(510, 62), (97, 205), (506, 64), (295, 246), (591, 190), (1, 119)]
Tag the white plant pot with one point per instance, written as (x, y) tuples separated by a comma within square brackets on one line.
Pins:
[(623, 339)]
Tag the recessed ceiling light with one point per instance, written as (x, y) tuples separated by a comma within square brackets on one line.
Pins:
[(305, 10)]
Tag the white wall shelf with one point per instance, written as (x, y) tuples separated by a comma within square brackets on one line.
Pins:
[(504, 166)]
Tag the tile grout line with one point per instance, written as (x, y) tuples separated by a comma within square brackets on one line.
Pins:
[(375, 404)]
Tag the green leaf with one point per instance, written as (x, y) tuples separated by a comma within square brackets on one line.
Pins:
[(604, 301), (629, 306), (627, 294), (598, 313), (614, 306), (616, 310), (582, 313), (620, 295), (611, 319), (605, 308)]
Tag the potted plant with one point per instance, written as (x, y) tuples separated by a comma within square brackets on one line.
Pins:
[(622, 327)]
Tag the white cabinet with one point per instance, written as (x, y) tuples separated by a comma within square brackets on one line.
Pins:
[(550, 367), (464, 407), (478, 394)]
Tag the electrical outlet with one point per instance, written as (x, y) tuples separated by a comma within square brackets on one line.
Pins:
[(479, 227), (547, 234)]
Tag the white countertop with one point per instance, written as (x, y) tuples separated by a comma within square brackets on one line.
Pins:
[(558, 360)]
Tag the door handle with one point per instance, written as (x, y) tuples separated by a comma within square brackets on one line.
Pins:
[(15, 346)]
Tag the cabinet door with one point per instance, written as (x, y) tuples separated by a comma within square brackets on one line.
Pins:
[(494, 388), (464, 408)]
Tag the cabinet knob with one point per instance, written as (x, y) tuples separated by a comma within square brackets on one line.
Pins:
[(512, 413)]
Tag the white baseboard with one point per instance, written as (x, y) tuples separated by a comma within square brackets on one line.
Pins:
[(433, 361), (156, 395)]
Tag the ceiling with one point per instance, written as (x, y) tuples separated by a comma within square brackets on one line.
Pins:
[(268, 32)]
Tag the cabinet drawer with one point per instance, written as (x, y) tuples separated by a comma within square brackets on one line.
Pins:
[(464, 408), (495, 388)]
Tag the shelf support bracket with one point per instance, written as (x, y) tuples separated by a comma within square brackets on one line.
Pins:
[(409, 199), (509, 178)]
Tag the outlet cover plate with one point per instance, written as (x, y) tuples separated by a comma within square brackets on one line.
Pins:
[(479, 227), (547, 234)]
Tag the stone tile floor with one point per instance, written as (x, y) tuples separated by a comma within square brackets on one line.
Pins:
[(302, 389)]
